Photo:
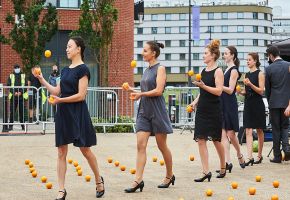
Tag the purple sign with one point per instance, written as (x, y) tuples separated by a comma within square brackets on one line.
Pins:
[(195, 19)]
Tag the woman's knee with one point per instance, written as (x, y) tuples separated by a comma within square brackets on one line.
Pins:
[(85, 151), (141, 147), (62, 152)]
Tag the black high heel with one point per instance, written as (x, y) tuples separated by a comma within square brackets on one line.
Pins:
[(99, 194), (251, 161), (243, 165), (229, 167), (206, 176), (64, 195), (259, 161), (166, 185), (139, 185), (222, 175)]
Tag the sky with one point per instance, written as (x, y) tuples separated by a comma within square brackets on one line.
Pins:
[(284, 4)]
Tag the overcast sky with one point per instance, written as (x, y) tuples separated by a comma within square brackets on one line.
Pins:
[(284, 4)]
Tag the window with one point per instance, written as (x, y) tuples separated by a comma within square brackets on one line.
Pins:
[(265, 43), (53, 2), (139, 31), (225, 42), (196, 70), (210, 15), (154, 17), (224, 15), (265, 16), (240, 29), (195, 42), (167, 30), (154, 30), (168, 43), (139, 57), (240, 15), (240, 42), (167, 17), (255, 15), (182, 56), (168, 70), (167, 56), (224, 29), (255, 42), (182, 16), (210, 29), (182, 43), (265, 29), (182, 70), (139, 44), (195, 56), (139, 70), (68, 4), (182, 29), (255, 29)]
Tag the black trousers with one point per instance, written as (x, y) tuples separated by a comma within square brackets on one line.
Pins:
[(15, 103), (280, 125)]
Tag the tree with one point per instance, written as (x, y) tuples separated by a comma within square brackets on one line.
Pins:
[(33, 27), (96, 27)]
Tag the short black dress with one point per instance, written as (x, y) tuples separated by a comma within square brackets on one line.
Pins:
[(72, 120), (152, 114), (254, 108), (208, 118), (229, 104)]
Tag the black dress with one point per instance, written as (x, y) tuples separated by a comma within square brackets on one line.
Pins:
[(254, 107), (72, 120), (230, 105), (208, 119)]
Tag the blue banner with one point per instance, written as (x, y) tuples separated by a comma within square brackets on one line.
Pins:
[(195, 20)]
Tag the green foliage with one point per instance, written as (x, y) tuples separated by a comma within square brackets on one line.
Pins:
[(96, 27), (29, 36), (117, 128)]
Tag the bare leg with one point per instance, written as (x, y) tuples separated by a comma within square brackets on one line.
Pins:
[(221, 153), (249, 139), (203, 152), (235, 142), (61, 167), (261, 142), (226, 143)]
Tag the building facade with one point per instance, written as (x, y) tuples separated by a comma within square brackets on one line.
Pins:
[(281, 28), (246, 26)]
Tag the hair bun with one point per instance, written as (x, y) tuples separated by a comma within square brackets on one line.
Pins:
[(161, 45), (215, 44)]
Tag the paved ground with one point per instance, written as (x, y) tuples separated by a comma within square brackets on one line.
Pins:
[(16, 181)]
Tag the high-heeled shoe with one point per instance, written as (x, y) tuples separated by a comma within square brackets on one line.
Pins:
[(139, 185), (206, 176), (166, 185), (259, 161), (99, 194), (251, 161), (64, 195), (222, 175), (243, 165), (229, 167)]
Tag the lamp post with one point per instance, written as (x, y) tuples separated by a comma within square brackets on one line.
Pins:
[(189, 42)]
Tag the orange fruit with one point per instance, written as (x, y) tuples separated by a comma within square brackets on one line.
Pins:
[(231, 198), (88, 178), (191, 158), (125, 86), (190, 73), (133, 63), (189, 109), (34, 174), (32, 169), (234, 185), (161, 162), (276, 184), (123, 168), (30, 165), (43, 179), (154, 159), (76, 163), (78, 168), (47, 53), (132, 171), (80, 172), (209, 192), (275, 197), (238, 88), (252, 191), (198, 77), (258, 178), (37, 70), (51, 99), (27, 162), (132, 96), (110, 160), (48, 185), (70, 161), (117, 163)]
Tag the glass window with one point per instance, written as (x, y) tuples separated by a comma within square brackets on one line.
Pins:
[(210, 15), (139, 70), (240, 15), (240, 29), (139, 57), (182, 29), (265, 29), (139, 31), (255, 42), (210, 29), (53, 2), (69, 4), (195, 42), (255, 15), (167, 30), (154, 17), (154, 30), (168, 43), (265, 16), (225, 42), (167, 56), (224, 15), (265, 43), (182, 43), (224, 29), (182, 16), (182, 70), (240, 42), (139, 44), (182, 56), (195, 56), (167, 17), (255, 29), (168, 70)]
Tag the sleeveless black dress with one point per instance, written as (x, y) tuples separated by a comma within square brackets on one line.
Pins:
[(254, 108), (208, 119), (229, 104), (72, 120), (152, 115)]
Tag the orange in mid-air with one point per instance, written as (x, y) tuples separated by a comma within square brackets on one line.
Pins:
[(47, 53), (190, 73), (133, 63), (125, 86), (198, 77)]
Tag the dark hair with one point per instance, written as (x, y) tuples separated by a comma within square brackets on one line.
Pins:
[(80, 43), (255, 56), (213, 48), (234, 52), (16, 66), (273, 50), (155, 46)]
